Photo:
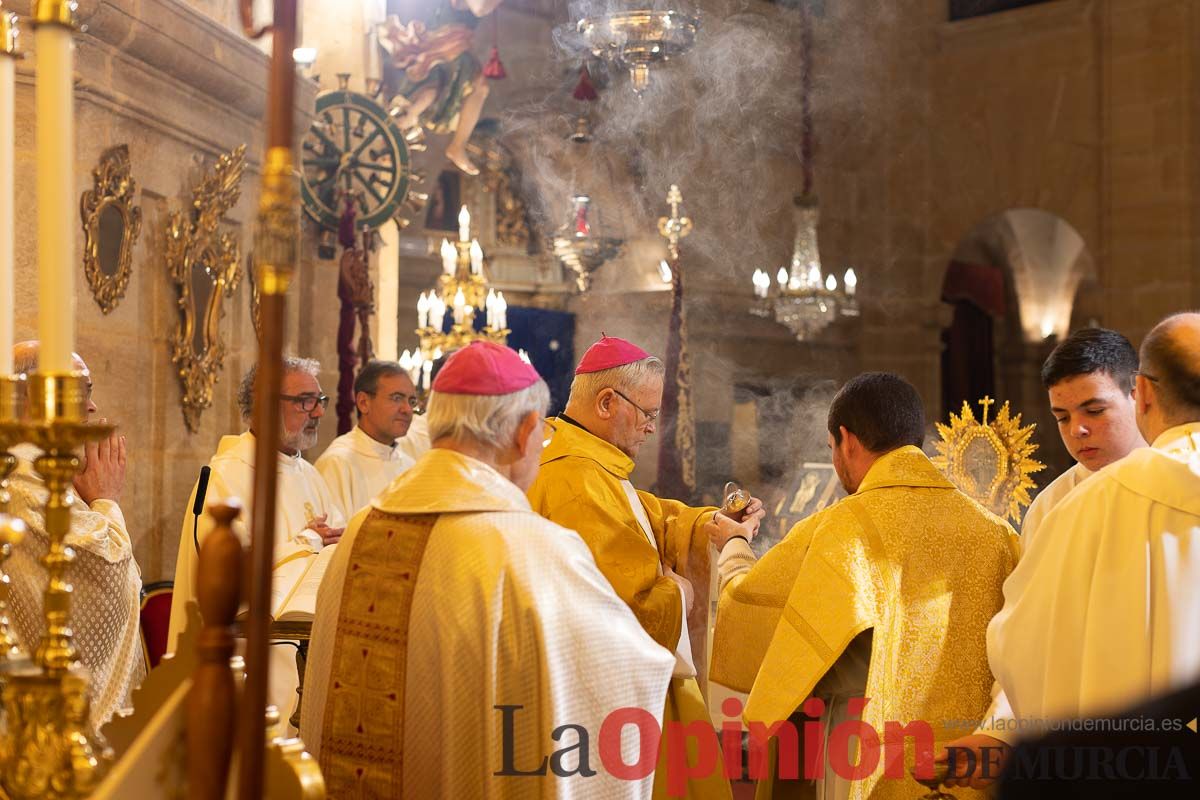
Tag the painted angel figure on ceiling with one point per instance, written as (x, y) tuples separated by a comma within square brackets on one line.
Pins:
[(434, 78)]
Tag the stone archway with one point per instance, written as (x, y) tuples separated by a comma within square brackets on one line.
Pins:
[(1013, 281)]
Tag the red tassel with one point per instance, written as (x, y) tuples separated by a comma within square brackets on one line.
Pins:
[(585, 92), (494, 69)]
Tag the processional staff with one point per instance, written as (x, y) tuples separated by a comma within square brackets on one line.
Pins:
[(276, 239)]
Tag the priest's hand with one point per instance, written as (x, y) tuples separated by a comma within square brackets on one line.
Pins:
[(978, 760), (722, 528), (328, 535), (689, 594), (103, 473), (753, 510)]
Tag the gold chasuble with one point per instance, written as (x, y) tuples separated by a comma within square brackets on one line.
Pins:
[(909, 558), (583, 484)]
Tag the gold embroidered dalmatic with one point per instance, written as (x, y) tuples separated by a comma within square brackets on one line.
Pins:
[(908, 557)]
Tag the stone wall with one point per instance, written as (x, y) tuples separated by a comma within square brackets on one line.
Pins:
[(179, 89)]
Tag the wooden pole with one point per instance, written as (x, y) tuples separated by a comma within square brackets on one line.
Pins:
[(276, 239)]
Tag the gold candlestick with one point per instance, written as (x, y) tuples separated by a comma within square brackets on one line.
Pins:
[(49, 746), (12, 530)]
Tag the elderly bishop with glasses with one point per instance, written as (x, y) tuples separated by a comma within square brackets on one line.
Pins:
[(654, 551), (307, 517)]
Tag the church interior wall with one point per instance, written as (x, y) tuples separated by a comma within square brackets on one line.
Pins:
[(924, 129)]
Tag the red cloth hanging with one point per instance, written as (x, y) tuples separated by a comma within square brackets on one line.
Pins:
[(585, 91), (494, 69)]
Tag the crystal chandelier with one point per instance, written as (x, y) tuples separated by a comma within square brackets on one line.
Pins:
[(803, 299), (577, 246), (462, 290), (637, 38)]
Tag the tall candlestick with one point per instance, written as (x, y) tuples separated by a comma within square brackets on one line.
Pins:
[(54, 96), (8, 52), (464, 225), (476, 258)]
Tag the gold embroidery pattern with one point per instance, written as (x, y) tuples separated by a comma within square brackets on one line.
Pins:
[(363, 736)]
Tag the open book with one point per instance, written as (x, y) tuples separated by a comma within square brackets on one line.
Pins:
[(294, 586)]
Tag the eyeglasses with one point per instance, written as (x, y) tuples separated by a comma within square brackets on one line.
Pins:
[(650, 415), (399, 397), (307, 402)]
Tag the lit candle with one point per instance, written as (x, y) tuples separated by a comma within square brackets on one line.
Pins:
[(782, 277), (501, 311), (814, 275), (851, 281), (449, 257), (54, 96), (406, 362), (464, 225), (8, 42), (831, 283), (460, 307), (422, 312), (490, 306), (476, 258), (426, 372)]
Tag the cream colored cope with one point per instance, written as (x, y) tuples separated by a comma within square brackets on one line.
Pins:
[(506, 608)]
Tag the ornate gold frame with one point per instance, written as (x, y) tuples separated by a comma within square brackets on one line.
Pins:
[(114, 187), (1010, 450), (193, 238)]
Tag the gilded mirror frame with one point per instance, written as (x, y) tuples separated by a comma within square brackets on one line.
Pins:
[(194, 239), (113, 187)]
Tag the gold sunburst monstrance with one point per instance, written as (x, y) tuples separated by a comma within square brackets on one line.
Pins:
[(990, 461)]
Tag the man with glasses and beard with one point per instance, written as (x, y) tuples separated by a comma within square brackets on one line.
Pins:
[(653, 551), (307, 518)]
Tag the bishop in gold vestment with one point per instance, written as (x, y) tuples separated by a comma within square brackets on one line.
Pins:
[(654, 551), (902, 575)]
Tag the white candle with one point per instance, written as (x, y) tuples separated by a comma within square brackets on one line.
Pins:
[(831, 283), (490, 306), (406, 361), (782, 277), (426, 371), (449, 257), (7, 307), (501, 311), (851, 281), (422, 312), (437, 313), (476, 258), (464, 225), (460, 303), (54, 95)]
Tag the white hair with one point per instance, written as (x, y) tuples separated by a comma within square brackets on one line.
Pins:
[(587, 385), (487, 420)]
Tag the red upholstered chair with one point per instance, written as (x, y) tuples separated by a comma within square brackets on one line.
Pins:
[(155, 619)]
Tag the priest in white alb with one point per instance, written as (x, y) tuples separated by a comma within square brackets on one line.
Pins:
[(463, 645), (1102, 612), (306, 516), (360, 464)]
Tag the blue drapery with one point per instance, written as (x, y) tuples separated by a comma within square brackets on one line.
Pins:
[(549, 338)]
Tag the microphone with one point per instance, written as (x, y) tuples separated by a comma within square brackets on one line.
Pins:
[(198, 506)]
